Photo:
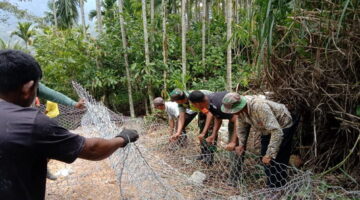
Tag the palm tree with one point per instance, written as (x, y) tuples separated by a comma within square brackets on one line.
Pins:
[(183, 40), (108, 6), (25, 32), (82, 12), (98, 15), (228, 38), (66, 14), (164, 40), (54, 12), (203, 33), (126, 60), (147, 56)]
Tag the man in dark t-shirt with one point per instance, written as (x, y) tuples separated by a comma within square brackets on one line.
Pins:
[(28, 138), (210, 105)]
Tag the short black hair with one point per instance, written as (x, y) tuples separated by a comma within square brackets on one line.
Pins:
[(197, 96), (16, 69)]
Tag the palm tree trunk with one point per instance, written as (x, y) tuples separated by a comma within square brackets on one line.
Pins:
[(152, 26), (203, 34), (99, 16), (183, 40), (146, 107), (228, 38), (54, 13), (237, 6), (126, 61), (147, 56), (207, 13), (152, 12), (82, 12), (223, 4), (164, 41), (189, 12)]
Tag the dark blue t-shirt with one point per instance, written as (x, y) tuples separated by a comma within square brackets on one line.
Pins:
[(215, 101), (27, 139)]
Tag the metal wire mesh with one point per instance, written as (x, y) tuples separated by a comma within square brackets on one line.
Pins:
[(153, 168)]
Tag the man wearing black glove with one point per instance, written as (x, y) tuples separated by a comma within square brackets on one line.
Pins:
[(28, 138), (129, 135)]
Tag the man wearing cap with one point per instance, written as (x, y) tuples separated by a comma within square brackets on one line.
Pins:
[(188, 111), (210, 105), (274, 122), (172, 110)]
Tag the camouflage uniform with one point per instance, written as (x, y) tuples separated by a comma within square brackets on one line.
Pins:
[(268, 118), (275, 123)]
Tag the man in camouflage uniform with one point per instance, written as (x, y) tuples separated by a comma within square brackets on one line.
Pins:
[(210, 105), (274, 122), (187, 113)]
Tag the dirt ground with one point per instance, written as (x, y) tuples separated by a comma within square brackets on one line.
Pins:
[(85, 180)]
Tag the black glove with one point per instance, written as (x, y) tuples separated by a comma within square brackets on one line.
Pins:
[(129, 135)]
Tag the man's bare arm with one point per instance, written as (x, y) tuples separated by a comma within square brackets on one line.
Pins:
[(181, 123), (171, 125), (234, 137), (217, 124), (98, 149), (209, 119)]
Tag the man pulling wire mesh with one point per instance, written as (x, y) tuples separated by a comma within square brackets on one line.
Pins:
[(187, 113), (274, 122), (29, 138)]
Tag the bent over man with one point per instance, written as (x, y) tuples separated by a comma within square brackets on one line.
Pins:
[(274, 122), (210, 105), (187, 113)]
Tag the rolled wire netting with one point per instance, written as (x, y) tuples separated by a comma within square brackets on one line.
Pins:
[(154, 168)]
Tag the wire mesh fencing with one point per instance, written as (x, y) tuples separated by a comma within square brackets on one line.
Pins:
[(154, 168)]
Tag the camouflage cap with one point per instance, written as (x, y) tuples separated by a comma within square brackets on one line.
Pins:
[(232, 103), (177, 94), (158, 101)]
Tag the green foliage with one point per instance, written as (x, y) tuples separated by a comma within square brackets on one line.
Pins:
[(10, 45), (99, 65), (66, 56)]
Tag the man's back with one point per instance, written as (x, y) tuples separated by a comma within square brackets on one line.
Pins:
[(27, 139), (172, 109), (215, 100)]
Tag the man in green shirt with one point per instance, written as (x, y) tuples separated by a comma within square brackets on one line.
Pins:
[(57, 97)]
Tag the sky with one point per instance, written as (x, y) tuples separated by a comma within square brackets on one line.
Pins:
[(35, 7)]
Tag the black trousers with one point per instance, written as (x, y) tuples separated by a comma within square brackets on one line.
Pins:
[(207, 150), (276, 171)]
